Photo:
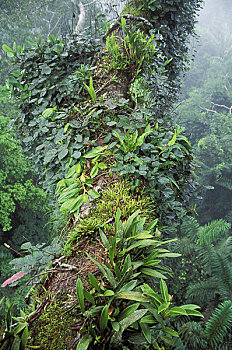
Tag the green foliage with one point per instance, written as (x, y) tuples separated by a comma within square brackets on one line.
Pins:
[(219, 324), (15, 335), (36, 257), (16, 187), (134, 253), (174, 21), (136, 50), (74, 139), (115, 196), (209, 263), (206, 113)]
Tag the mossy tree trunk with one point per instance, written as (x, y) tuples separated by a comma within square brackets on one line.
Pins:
[(135, 167)]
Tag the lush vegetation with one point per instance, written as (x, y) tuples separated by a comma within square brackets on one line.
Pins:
[(95, 121)]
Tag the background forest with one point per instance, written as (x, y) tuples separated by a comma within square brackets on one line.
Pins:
[(30, 166)]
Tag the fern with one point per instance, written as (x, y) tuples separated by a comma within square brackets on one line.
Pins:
[(204, 255), (225, 182), (184, 246), (208, 233), (225, 246), (221, 268), (219, 324), (190, 227), (203, 291), (192, 335)]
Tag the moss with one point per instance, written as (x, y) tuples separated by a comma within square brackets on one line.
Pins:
[(132, 8), (51, 331), (117, 195)]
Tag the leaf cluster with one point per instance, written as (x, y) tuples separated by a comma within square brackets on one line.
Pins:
[(122, 299)]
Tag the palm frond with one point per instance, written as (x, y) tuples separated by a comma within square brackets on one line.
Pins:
[(219, 324), (213, 230), (202, 291)]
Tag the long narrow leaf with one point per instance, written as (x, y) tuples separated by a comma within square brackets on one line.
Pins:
[(80, 294)]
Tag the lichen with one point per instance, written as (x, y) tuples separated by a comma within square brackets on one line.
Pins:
[(51, 331)]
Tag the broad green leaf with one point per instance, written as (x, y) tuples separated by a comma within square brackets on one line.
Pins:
[(148, 319), (105, 271), (85, 197), (136, 296), (94, 171), (129, 286), (63, 153), (142, 235), (24, 339), (150, 292), (135, 316), (95, 151), (175, 311), (128, 223), (68, 204), (173, 140), (169, 255), (104, 240), (152, 273), (163, 307), (164, 291), (93, 194), (77, 204), (128, 311), (47, 112), (6, 48), (104, 318), (194, 313), (69, 193), (171, 332), (72, 204), (88, 296), (16, 344), (93, 281), (108, 293), (115, 326), (20, 327), (146, 331), (80, 294), (84, 342), (141, 244), (102, 166)]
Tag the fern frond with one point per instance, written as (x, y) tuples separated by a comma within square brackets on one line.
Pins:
[(225, 246), (204, 254), (190, 227), (192, 335), (213, 230), (178, 344), (225, 182), (228, 216), (219, 324), (202, 291), (222, 271), (184, 246)]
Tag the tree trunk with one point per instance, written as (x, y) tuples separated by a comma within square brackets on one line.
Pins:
[(131, 171)]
